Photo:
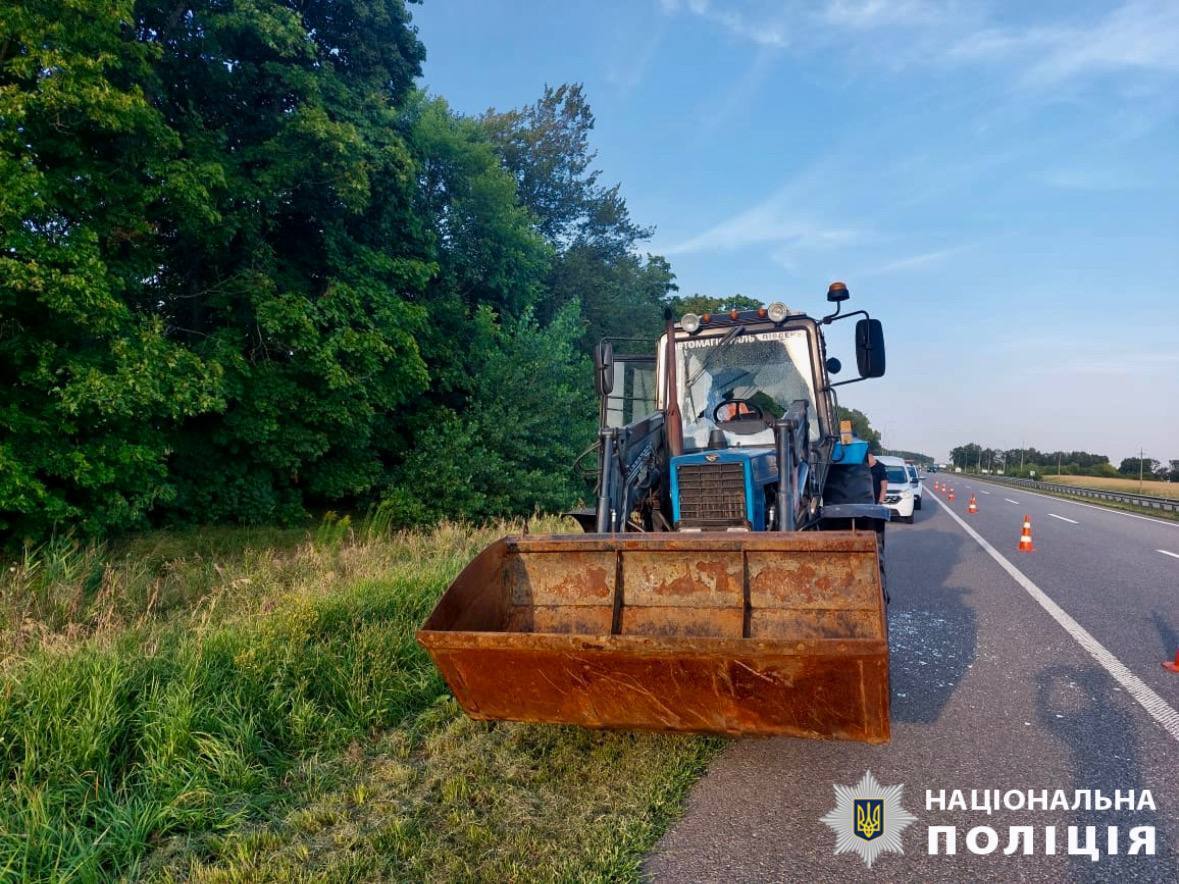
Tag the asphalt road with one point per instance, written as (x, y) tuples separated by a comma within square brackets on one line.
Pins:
[(990, 691)]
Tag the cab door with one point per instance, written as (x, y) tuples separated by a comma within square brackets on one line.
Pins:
[(633, 393)]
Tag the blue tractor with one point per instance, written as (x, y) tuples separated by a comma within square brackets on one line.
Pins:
[(730, 577)]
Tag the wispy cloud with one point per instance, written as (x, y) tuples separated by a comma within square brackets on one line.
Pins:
[(1137, 35), (629, 67), (775, 222), (868, 14), (914, 262), (765, 224), (764, 32)]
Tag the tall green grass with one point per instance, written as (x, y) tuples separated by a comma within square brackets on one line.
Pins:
[(160, 701)]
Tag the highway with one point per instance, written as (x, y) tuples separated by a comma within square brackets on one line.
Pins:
[(1030, 671)]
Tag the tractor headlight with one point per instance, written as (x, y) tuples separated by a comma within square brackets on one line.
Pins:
[(690, 323), (778, 312)]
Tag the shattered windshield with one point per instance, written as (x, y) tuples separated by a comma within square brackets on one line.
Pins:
[(768, 370)]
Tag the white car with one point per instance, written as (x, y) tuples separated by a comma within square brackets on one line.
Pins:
[(915, 484), (899, 497)]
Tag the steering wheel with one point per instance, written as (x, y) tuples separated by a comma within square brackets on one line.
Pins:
[(752, 411)]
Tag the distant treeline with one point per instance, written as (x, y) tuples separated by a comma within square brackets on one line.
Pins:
[(917, 457), (1025, 461)]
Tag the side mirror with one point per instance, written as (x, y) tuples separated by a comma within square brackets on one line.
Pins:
[(604, 368), (870, 348)]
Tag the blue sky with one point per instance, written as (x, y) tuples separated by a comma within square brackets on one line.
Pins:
[(998, 183)]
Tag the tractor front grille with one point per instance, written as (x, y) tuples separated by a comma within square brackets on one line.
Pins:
[(712, 495)]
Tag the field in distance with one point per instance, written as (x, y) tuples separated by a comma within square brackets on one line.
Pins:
[(1125, 486)]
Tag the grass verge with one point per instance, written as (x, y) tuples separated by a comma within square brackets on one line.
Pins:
[(234, 706)]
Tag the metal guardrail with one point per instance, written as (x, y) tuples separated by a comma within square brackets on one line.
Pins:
[(1146, 501)]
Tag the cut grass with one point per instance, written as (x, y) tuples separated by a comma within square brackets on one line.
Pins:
[(229, 705), (456, 800)]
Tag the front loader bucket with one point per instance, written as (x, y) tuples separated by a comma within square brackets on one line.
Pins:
[(775, 633)]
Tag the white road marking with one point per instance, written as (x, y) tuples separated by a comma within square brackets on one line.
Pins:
[(1009, 500), (980, 491), (1166, 553), (1106, 509), (1158, 708), (1063, 519)]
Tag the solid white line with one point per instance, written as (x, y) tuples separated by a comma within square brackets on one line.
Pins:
[(1009, 500), (1106, 509), (1158, 708), (1063, 519), (1165, 553)]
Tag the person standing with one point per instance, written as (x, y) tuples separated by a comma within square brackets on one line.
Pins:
[(879, 477), (879, 488)]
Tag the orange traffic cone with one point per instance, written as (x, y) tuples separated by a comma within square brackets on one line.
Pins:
[(1025, 538), (937, 486), (1174, 667), (951, 495), (972, 507)]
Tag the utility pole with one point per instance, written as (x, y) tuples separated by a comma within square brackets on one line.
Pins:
[(1058, 464), (1140, 465), (1022, 448)]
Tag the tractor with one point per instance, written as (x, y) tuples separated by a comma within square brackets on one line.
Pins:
[(730, 577)]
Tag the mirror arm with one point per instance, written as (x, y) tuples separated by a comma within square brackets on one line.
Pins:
[(851, 381), (836, 316)]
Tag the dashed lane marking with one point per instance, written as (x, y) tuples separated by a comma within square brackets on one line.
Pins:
[(1106, 509), (1167, 553), (1009, 500), (1063, 519), (1158, 708)]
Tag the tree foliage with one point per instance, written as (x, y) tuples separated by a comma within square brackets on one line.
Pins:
[(1025, 461), (596, 263), (916, 456), (248, 270), (1147, 467), (698, 304)]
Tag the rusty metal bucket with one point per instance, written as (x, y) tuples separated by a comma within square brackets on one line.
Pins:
[(731, 633)]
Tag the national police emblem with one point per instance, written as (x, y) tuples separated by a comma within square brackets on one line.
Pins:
[(868, 819)]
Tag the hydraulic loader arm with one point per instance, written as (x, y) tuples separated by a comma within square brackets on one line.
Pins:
[(631, 462)]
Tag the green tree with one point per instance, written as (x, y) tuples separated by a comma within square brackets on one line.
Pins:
[(915, 456), (511, 449), (965, 456), (248, 270), (708, 304), (546, 147), (307, 286), (91, 174), (1130, 466), (510, 402)]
